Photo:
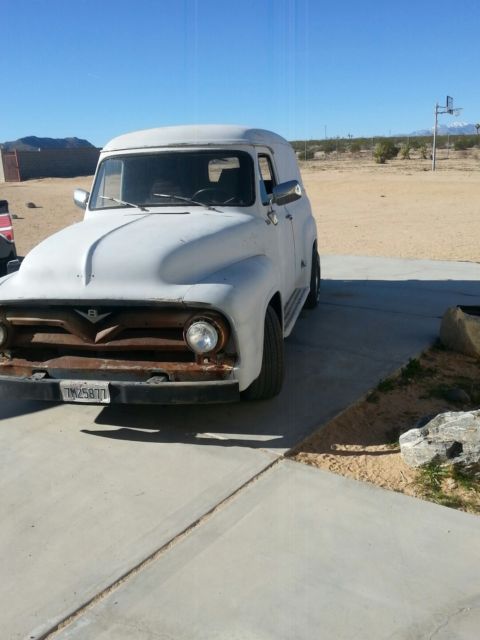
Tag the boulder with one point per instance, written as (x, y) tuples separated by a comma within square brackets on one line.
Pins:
[(449, 438), (460, 330)]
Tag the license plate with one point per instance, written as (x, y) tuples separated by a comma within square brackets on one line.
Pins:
[(88, 391)]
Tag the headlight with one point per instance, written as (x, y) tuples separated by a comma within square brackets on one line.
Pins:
[(201, 336), (3, 335)]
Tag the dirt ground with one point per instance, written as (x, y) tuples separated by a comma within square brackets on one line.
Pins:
[(54, 208), (400, 209), (362, 442)]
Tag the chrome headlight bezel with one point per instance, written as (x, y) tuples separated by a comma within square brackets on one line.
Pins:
[(215, 325), (201, 336)]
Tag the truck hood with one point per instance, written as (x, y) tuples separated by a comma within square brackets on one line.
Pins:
[(137, 256)]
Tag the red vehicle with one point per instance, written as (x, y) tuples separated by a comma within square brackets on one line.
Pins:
[(7, 241)]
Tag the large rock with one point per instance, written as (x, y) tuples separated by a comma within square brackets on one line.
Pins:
[(460, 330), (452, 437)]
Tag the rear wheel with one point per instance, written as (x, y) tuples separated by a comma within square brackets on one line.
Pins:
[(269, 382), (314, 294)]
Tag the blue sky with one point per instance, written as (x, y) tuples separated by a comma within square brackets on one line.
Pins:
[(98, 68)]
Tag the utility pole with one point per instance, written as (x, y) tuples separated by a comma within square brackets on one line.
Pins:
[(434, 146)]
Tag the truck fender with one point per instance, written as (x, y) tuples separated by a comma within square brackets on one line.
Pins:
[(242, 292)]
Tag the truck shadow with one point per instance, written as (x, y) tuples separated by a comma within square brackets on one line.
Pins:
[(13, 408), (362, 331)]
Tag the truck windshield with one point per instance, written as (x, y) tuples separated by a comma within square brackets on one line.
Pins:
[(175, 178)]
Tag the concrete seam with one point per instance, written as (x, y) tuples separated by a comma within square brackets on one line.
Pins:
[(146, 562)]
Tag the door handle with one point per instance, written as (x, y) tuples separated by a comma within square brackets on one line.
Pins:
[(289, 216)]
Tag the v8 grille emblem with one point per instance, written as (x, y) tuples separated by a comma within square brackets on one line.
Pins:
[(92, 315)]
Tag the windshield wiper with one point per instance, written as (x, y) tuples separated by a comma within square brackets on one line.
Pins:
[(183, 199), (128, 204)]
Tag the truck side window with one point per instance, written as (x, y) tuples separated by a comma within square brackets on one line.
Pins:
[(267, 181)]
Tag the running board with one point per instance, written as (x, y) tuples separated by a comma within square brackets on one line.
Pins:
[(292, 309)]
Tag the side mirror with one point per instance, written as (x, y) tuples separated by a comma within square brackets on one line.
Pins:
[(286, 192), (80, 198)]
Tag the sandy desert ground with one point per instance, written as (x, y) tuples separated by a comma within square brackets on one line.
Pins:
[(400, 209)]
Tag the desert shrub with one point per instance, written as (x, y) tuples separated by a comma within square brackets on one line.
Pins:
[(405, 151), (328, 146), (355, 147), (309, 155), (379, 153), (423, 151), (464, 142), (385, 150)]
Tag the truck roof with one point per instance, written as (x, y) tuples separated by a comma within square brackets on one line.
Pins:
[(194, 135)]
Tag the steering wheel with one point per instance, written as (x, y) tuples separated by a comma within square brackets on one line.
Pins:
[(218, 196)]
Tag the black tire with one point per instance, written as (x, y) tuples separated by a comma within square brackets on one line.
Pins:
[(270, 381), (315, 275)]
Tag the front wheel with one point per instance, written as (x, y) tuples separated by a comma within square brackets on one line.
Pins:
[(269, 382), (314, 294)]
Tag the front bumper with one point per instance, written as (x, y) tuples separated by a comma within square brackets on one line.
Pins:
[(121, 392)]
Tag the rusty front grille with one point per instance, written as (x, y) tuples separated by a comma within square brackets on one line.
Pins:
[(103, 329), (105, 340)]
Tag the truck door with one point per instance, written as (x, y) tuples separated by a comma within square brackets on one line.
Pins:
[(285, 240)]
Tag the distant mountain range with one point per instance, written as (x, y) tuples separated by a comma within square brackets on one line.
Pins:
[(454, 129), (32, 143)]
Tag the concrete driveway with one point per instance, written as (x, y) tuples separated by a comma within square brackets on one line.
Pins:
[(176, 506), (302, 554)]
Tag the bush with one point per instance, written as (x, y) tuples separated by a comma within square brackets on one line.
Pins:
[(385, 150), (405, 151), (309, 156), (465, 142), (329, 146), (355, 147), (423, 151), (441, 143)]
